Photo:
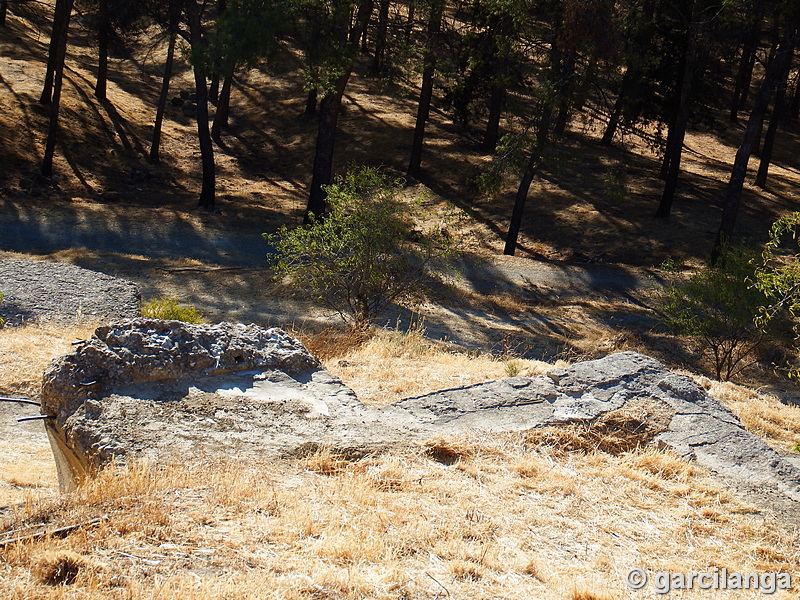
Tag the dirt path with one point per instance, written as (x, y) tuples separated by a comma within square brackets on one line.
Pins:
[(217, 263), (156, 233)]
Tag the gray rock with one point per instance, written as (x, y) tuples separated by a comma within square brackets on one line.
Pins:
[(49, 292), (165, 389)]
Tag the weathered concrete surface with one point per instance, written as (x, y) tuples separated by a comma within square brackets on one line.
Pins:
[(164, 389), (699, 427)]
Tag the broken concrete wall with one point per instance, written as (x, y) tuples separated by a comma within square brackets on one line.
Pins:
[(164, 390)]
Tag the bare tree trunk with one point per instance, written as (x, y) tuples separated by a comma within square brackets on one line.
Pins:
[(794, 109), (492, 134), (322, 171), (774, 123), (756, 150), (380, 37), (3, 12), (675, 149), (58, 78), (164, 94), (208, 191), (412, 4), (52, 54), (628, 80), (101, 86), (213, 89), (531, 168), (426, 91), (311, 103), (733, 193), (502, 26), (745, 72), (223, 109), (565, 86)]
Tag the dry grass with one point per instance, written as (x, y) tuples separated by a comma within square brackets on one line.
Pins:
[(762, 414), (26, 351), (392, 365), (27, 470), (511, 516), (395, 526), (615, 432)]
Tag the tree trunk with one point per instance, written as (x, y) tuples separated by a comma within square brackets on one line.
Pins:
[(745, 72), (614, 118), (733, 192), (629, 80), (774, 123), (675, 149), (223, 109), (531, 168), (492, 134), (322, 172), (58, 78), (208, 191), (3, 12), (52, 54), (311, 103), (102, 52), (213, 89), (582, 91), (756, 150), (380, 37), (794, 110), (502, 26), (426, 91), (365, 38), (165, 82), (565, 86), (669, 151), (410, 19)]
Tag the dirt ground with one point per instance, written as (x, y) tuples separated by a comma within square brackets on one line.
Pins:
[(112, 211), (591, 204)]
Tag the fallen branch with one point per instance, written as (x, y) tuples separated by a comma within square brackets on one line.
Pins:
[(198, 269), (58, 531)]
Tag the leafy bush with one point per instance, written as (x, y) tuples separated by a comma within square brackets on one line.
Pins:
[(168, 308), (370, 250), (778, 278), (719, 306)]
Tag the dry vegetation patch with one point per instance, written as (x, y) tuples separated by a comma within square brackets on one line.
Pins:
[(505, 521), (26, 351), (392, 365), (514, 516), (762, 414)]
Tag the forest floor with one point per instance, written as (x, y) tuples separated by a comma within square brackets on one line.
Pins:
[(589, 221), (507, 520)]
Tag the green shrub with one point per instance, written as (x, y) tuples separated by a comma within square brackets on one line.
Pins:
[(778, 278), (719, 306), (370, 250), (168, 308)]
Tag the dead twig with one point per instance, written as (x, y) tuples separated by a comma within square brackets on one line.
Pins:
[(58, 531), (198, 269)]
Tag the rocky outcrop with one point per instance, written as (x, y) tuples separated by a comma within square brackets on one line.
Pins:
[(164, 390)]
